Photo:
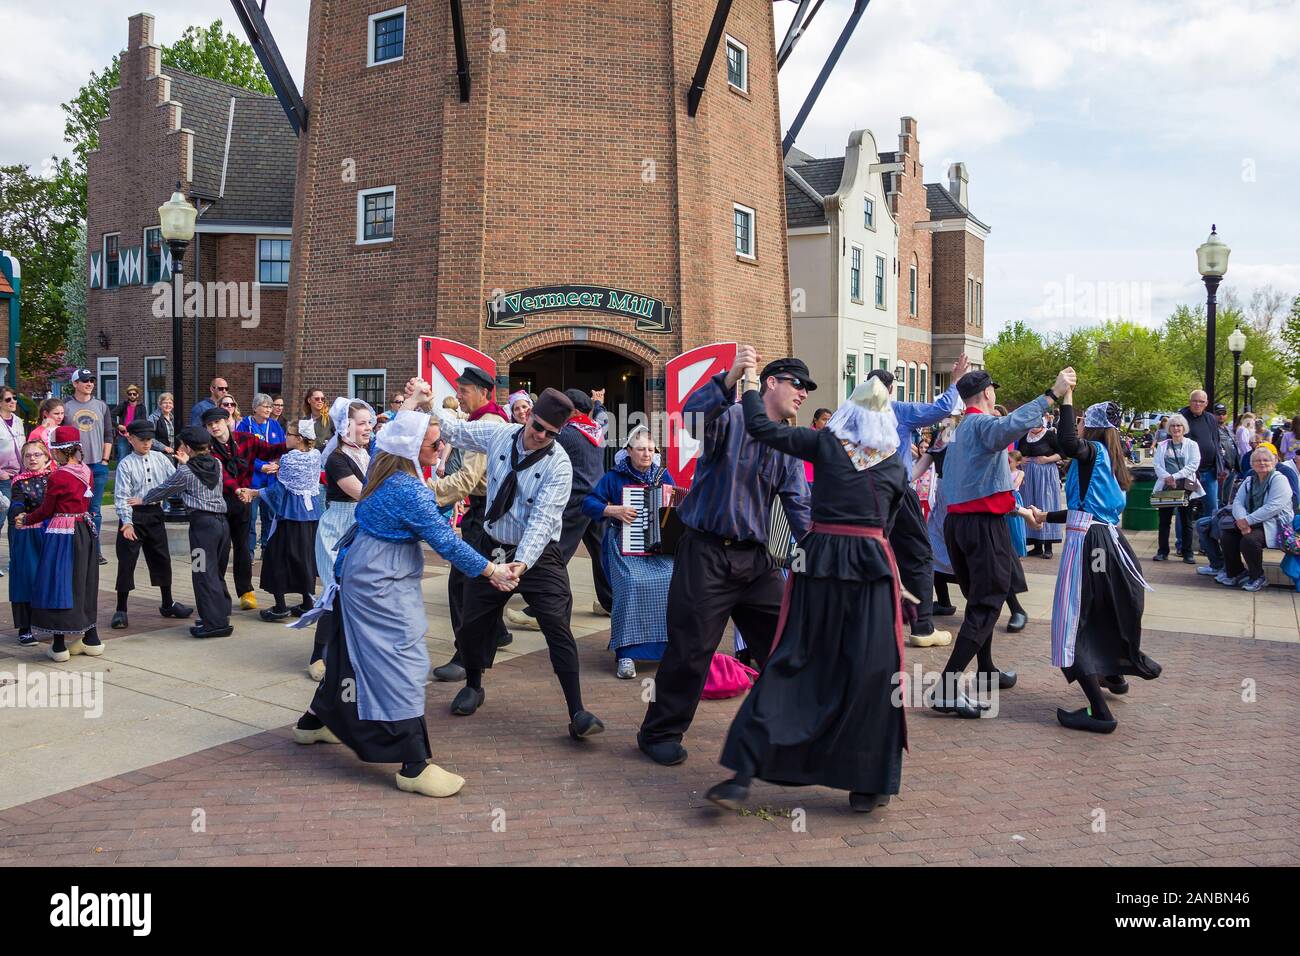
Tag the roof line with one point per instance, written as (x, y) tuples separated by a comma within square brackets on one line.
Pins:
[(238, 90), (805, 187), (225, 156)]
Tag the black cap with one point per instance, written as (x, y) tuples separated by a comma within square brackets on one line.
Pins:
[(215, 415), (475, 376), (581, 400), (1220, 408), (789, 366), (141, 428), (972, 383), (83, 375), (553, 407), (196, 437)]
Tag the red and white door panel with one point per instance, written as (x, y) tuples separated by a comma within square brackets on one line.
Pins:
[(441, 361), (683, 375)]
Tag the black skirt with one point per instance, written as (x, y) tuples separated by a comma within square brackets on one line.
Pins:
[(289, 559), (822, 711), (335, 703), (1111, 602)]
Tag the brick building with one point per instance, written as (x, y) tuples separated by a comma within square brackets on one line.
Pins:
[(847, 212), (561, 210), (232, 152)]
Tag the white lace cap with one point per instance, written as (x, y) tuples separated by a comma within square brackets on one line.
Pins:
[(307, 429), (404, 435), (867, 419)]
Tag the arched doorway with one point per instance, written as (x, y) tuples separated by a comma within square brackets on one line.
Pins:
[(586, 367)]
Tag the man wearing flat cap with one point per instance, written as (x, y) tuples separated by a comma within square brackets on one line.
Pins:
[(723, 567), (977, 484), (529, 479), (475, 392), (141, 528)]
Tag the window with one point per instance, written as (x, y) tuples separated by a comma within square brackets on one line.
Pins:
[(912, 291), (268, 379), (869, 213), (737, 65), (970, 299), (868, 362), (880, 282), (273, 261), (106, 380), (855, 275), (900, 382), (369, 385), (884, 362), (850, 373), (375, 212), (744, 219), (979, 303), (924, 379), (387, 36), (112, 262), (152, 255), (155, 381), (911, 382)]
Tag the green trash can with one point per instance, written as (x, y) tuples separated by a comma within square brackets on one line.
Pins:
[(1138, 513)]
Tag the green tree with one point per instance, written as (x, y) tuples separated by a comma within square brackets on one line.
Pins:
[(1184, 342), (1290, 336), (1129, 367), (74, 304), (210, 52), (1021, 362), (39, 225)]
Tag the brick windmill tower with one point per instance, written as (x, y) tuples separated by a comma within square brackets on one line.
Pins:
[(579, 190)]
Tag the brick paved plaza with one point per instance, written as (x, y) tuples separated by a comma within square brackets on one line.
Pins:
[(200, 731)]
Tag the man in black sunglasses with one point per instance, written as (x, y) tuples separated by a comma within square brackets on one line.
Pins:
[(529, 480), (724, 568)]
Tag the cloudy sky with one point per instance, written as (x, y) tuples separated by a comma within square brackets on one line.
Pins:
[(1102, 136)]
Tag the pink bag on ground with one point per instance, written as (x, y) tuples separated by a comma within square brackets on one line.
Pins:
[(727, 678)]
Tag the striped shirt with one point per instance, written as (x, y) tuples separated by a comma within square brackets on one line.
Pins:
[(195, 495), (736, 477), (136, 476), (537, 513)]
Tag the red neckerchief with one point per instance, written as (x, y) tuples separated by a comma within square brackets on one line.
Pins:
[(490, 408), (589, 428)]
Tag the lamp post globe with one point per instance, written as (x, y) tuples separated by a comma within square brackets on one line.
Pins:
[(176, 218), (1212, 263), (1251, 384)]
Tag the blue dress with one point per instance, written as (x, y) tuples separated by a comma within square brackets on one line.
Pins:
[(382, 608), (25, 544), (639, 620)]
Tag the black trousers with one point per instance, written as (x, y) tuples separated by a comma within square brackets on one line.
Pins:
[(151, 538), (238, 516), (1238, 546), (911, 543), (209, 556), (979, 545), (545, 586), (1184, 534), (472, 533), (712, 581), (580, 528)]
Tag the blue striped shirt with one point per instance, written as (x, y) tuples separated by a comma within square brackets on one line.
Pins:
[(736, 477)]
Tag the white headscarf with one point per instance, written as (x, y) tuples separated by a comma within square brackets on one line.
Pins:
[(867, 420), (404, 435), (341, 416)]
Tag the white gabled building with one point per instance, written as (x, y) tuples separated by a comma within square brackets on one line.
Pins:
[(843, 249)]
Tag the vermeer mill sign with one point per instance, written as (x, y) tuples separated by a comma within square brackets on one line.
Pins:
[(510, 310)]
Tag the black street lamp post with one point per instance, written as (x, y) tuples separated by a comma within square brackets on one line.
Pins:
[(1236, 345), (1212, 261), (177, 217)]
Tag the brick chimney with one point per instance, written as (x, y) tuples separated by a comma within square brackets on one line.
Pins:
[(957, 183)]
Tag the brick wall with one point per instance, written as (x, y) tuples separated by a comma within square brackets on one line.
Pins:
[(543, 178), (908, 201)]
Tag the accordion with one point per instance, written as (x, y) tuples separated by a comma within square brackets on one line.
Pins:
[(657, 528), (1170, 498)]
